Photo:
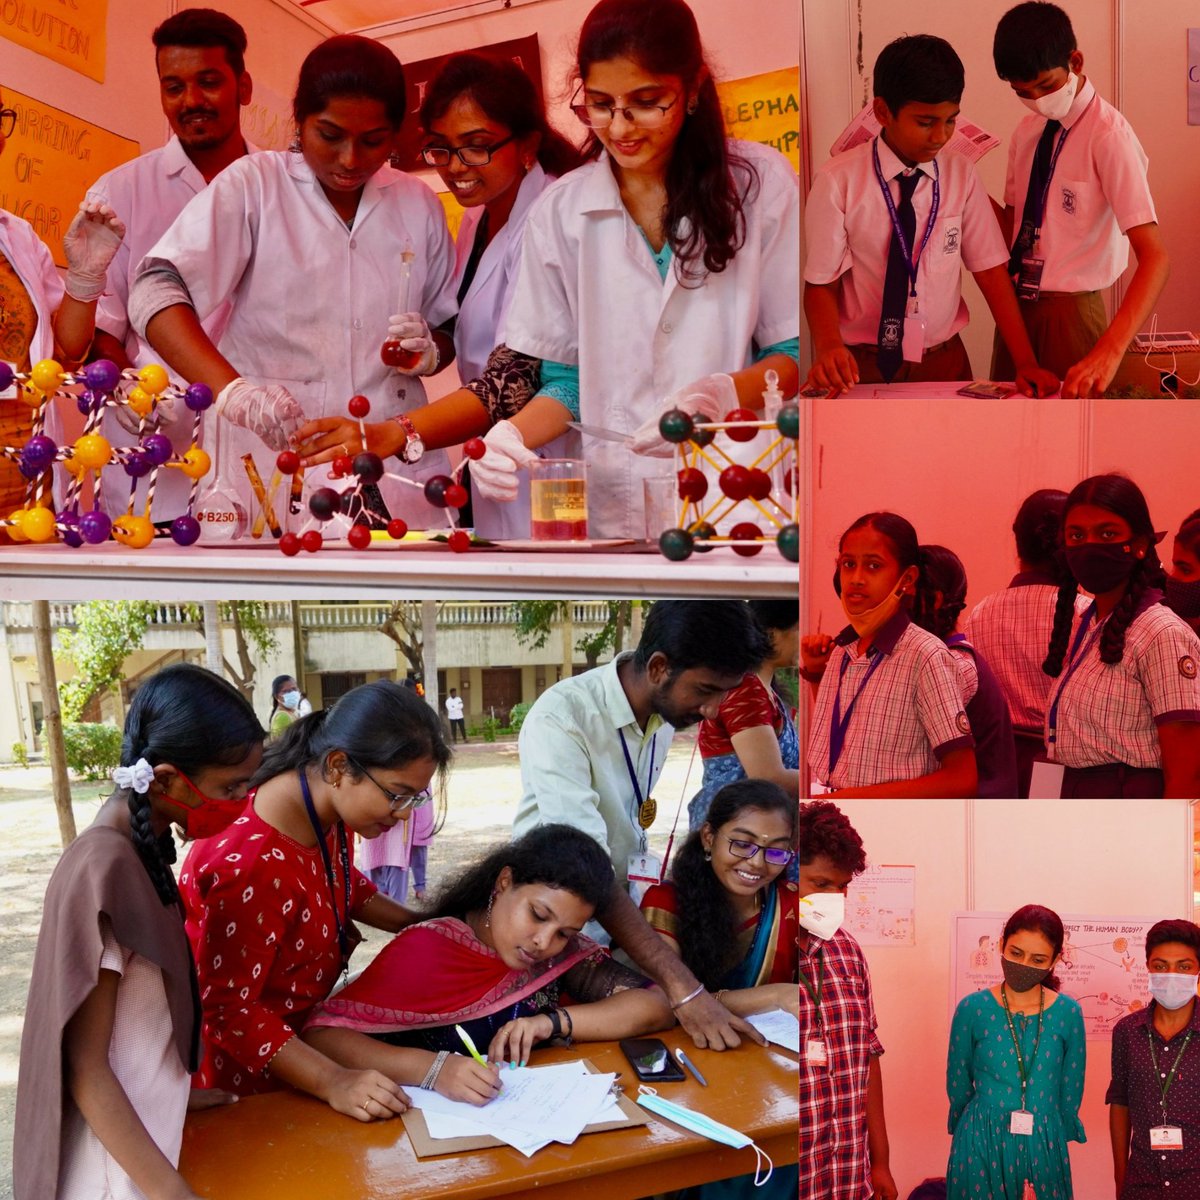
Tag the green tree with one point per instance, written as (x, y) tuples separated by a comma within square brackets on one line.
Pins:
[(535, 621), (106, 632), (251, 630)]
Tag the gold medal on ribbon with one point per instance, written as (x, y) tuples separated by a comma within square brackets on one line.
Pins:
[(647, 812)]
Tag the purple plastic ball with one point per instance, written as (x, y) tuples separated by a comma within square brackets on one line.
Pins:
[(95, 527), (198, 397), (28, 470), (102, 375), (138, 464), (185, 530), (157, 448), (68, 524), (40, 451), (368, 467), (6, 376), (83, 402), (323, 503)]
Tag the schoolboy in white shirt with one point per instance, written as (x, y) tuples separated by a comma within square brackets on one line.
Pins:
[(886, 205), (1076, 199)]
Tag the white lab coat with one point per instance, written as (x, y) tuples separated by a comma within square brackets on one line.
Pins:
[(311, 298), (478, 333), (31, 260), (588, 293), (148, 193)]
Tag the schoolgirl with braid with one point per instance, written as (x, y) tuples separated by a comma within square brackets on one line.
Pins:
[(112, 1024), (1124, 713)]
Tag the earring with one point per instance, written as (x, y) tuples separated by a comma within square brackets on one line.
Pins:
[(294, 144), (395, 161), (708, 856), (487, 920), (337, 782), (691, 107)]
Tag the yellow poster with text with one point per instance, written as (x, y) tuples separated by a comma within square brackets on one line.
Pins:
[(71, 32), (50, 161), (765, 108)]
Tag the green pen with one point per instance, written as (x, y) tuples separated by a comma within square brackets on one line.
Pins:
[(470, 1045)]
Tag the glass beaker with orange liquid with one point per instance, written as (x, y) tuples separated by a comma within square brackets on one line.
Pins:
[(558, 500), (392, 352)]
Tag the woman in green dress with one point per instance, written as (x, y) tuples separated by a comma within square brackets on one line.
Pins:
[(1014, 1073)]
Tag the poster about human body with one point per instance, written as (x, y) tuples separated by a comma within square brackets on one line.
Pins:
[(1103, 963), (880, 904)]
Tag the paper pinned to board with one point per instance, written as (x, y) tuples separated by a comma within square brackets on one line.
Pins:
[(779, 1027), (969, 140)]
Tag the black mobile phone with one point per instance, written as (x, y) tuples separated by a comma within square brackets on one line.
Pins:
[(651, 1060)]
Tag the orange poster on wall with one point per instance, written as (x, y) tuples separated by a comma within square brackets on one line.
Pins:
[(71, 32), (765, 108)]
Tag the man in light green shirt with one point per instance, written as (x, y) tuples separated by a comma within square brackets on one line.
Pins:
[(593, 746)]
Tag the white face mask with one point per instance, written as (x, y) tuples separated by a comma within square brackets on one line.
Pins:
[(290, 699), (1172, 990), (1054, 106), (822, 913)]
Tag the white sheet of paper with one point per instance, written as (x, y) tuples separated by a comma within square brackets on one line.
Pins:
[(969, 140), (779, 1027)]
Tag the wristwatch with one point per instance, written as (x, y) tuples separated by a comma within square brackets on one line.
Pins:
[(413, 447)]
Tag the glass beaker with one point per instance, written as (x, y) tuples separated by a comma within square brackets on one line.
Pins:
[(219, 507), (558, 500)]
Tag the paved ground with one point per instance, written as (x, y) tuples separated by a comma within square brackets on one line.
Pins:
[(482, 799)]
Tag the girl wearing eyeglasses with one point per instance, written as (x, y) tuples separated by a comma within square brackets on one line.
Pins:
[(272, 901), (665, 273)]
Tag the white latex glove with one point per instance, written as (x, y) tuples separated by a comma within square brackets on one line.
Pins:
[(709, 399), (412, 332), (494, 476), (271, 413), (90, 244), (165, 409)]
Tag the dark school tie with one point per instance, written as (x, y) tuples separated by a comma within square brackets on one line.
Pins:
[(896, 283), (1039, 176)]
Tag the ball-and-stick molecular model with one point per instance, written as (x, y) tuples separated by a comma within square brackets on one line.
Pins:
[(140, 398), (699, 514)]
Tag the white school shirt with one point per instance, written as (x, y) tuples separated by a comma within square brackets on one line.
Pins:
[(1110, 713), (148, 193), (589, 294), (31, 260), (454, 708), (849, 232), (1098, 191), (311, 298)]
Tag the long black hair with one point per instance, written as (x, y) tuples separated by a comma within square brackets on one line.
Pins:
[(559, 856), (1035, 918), (1037, 527), (507, 96), (1119, 495), (707, 924), (348, 65), (276, 684), (707, 184), (944, 573), (192, 719)]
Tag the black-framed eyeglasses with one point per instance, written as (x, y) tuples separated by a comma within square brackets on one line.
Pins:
[(396, 802), (646, 116), (8, 121), (469, 156), (774, 856)]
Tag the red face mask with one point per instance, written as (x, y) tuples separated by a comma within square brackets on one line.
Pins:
[(210, 817)]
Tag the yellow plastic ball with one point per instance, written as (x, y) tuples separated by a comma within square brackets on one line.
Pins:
[(196, 463), (140, 401), (33, 396), (46, 375), (74, 466), (135, 532), (37, 524), (154, 378), (93, 450), (14, 530)]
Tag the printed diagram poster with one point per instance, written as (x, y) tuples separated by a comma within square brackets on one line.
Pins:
[(880, 904), (73, 33), (765, 108), (1103, 965)]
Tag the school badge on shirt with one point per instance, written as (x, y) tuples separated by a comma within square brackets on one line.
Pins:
[(950, 240), (1187, 667)]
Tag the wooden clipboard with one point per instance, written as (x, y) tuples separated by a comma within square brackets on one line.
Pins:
[(425, 1146)]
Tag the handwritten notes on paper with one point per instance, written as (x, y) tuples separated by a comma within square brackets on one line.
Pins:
[(779, 1027)]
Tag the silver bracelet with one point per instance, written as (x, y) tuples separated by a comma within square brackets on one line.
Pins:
[(689, 996), (439, 1061)]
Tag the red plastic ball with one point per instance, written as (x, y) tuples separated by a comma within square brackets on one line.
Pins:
[(789, 481), (397, 528), (474, 448), (760, 484), (359, 536), (741, 414), (744, 532), (288, 462), (735, 481), (693, 485), (341, 466), (358, 407), (312, 541), (456, 496), (290, 545), (459, 541)]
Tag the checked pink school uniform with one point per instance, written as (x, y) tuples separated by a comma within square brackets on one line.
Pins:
[(1110, 713), (901, 704)]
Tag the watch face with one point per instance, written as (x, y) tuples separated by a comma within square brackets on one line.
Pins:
[(414, 449)]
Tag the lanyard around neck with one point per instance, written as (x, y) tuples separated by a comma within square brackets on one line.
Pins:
[(1073, 664), (838, 724), (1164, 1084), (1022, 1070), (643, 800), (910, 265), (341, 925), (815, 992)]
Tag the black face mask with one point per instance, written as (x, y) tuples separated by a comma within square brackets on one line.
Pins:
[(1019, 977), (1183, 598), (1099, 568)]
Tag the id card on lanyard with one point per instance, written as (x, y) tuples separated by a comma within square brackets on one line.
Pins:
[(1029, 278), (643, 868), (1166, 1136), (1079, 651), (913, 340), (816, 1049), (839, 724)]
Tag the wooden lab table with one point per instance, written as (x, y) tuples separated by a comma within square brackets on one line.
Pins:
[(289, 1146)]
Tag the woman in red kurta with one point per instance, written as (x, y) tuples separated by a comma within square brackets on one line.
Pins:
[(271, 901)]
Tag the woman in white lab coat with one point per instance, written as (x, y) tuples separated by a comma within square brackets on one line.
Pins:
[(487, 136), (663, 274), (308, 245)]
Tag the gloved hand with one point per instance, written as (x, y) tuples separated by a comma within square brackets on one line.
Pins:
[(271, 413), (411, 331), (90, 244), (164, 407), (494, 476), (709, 399)]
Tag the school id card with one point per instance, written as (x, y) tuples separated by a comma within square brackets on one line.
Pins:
[(1166, 1137)]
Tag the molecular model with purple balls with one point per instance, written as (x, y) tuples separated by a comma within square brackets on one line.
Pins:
[(141, 398)]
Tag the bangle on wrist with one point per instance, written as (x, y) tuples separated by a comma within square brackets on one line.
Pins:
[(720, 997), (570, 1025), (690, 996), (435, 1069), (556, 1030)]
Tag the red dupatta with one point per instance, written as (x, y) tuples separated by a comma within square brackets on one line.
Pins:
[(437, 973)]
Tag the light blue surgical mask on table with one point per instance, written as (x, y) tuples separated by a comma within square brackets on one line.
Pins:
[(696, 1122), (1171, 989)]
